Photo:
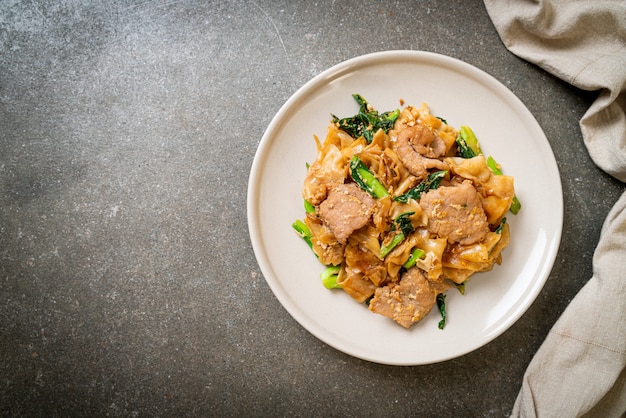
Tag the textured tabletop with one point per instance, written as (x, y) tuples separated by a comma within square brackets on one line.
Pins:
[(128, 284)]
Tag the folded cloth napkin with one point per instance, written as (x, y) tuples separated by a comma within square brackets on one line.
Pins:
[(580, 369)]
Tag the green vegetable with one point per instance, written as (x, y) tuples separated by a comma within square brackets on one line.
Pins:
[(467, 143), (470, 139), (329, 277), (460, 287), (464, 150), (308, 207), (499, 228), (516, 205), (386, 249), (367, 122), (432, 182), (441, 304), (494, 166), (416, 254), (303, 231), (366, 179), (402, 224)]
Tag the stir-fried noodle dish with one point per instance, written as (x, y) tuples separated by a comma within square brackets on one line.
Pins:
[(401, 207)]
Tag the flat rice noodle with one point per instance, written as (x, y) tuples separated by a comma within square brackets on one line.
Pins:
[(399, 255), (371, 157), (356, 285), (418, 218), (475, 253), (505, 238), (328, 169), (393, 174), (325, 245), (458, 276), (366, 238), (341, 138), (474, 168), (381, 139), (437, 246), (354, 148), (459, 263), (360, 259), (371, 153), (491, 240), (335, 137), (465, 258), (495, 208), (381, 217), (498, 194), (406, 185), (431, 264)]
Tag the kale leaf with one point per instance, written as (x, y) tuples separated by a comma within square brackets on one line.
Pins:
[(367, 122), (431, 183)]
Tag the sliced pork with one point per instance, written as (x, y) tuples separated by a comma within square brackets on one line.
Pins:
[(455, 212), (346, 209), (407, 301)]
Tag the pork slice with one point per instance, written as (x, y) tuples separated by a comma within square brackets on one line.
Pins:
[(455, 213), (406, 301), (346, 209)]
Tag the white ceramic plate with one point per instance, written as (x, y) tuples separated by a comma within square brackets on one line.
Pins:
[(462, 94)]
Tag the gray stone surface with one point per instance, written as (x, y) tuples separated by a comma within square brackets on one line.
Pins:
[(128, 285)]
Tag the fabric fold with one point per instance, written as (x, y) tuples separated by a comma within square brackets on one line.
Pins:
[(580, 369), (581, 366), (584, 44)]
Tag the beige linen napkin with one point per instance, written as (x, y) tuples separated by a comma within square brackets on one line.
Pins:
[(580, 369)]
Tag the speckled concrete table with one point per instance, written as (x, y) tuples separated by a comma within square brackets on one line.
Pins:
[(128, 283)]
